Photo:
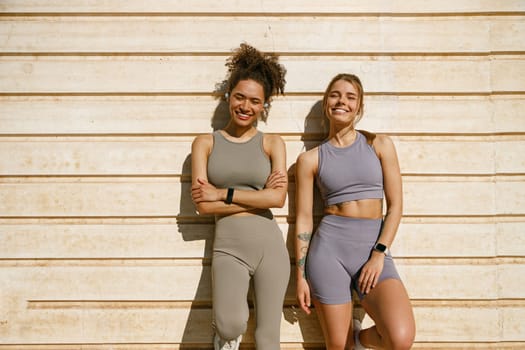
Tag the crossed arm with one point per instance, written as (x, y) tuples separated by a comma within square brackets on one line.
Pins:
[(211, 200)]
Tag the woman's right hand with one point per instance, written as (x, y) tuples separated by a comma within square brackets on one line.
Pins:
[(303, 295), (203, 191)]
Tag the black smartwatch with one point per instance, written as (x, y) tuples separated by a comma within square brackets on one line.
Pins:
[(381, 248)]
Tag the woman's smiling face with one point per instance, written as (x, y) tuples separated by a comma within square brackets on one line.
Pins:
[(246, 102), (342, 102)]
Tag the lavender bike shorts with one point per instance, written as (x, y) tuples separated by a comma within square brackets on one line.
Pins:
[(338, 250)]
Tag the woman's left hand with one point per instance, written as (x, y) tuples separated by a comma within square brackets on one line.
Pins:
[(371, 271), (276, 180), (204, 191)]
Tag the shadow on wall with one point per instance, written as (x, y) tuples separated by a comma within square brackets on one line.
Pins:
[(197, 328), (198, 331), (312, 136)]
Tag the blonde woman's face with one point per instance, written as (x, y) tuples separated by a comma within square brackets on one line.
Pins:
[(342, 102), (246, 102)]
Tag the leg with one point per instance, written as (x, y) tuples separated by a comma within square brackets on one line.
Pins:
[(270, 282), (389, 306), (336, 323), (230, 280)]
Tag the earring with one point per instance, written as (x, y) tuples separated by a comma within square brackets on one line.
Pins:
[(227, 96), (266, 105)]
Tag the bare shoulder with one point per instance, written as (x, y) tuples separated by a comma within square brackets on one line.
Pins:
[(383, 144), (204, 141), (273, 140), (273, 144), (308, 160), (382, 140)]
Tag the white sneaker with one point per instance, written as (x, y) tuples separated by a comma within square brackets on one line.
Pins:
[(221, 344), (357, 329)]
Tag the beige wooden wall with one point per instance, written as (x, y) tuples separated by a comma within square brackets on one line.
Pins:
[(100, 247)]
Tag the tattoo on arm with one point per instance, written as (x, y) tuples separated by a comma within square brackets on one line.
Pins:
[(305, 237), (300, 265)]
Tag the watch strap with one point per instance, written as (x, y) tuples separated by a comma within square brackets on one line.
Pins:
[(229, 196)]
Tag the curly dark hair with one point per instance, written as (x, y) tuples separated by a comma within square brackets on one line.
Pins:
[(247, 62)]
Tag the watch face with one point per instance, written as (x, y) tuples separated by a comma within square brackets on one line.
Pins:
[(380, 247)]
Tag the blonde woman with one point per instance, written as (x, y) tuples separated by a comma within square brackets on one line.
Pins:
[(354, 171)]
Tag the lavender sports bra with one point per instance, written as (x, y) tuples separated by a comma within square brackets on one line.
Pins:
[(349, 173)]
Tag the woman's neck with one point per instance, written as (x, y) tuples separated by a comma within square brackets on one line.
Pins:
[(240, 132), (342, 137)]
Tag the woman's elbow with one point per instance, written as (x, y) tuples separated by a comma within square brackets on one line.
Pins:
[(280, 204), (202, 209), (280, 201), (395, 209)]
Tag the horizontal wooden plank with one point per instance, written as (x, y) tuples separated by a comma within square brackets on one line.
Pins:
[(106, 241), (154, 240), (510, 238), (266, 6), (276, 34), (513, 326), (292, 114), (467, 280), (137, 326), (509, 156), (506, 117), (459, 324), (170, 156), (505, 71), (432, 239), (510, 280), (196, 74), (85, 157), (171, 325), (168, 197), (513, 204), (501, 32)]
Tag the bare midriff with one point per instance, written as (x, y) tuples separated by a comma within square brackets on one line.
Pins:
[(362, 209)]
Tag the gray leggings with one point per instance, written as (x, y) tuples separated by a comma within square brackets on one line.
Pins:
[(248, 247)]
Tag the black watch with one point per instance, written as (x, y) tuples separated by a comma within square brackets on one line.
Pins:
[(380, 247)]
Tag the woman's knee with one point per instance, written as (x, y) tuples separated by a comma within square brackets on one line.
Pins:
[(401, 338), (229, 327)]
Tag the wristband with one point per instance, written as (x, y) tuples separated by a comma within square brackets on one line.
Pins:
[(229, 196)]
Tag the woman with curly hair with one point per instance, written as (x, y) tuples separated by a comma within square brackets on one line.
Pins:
[(238, 174)]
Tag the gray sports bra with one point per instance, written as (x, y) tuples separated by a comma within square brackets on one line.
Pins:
[(349, 173), (242, 166)]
